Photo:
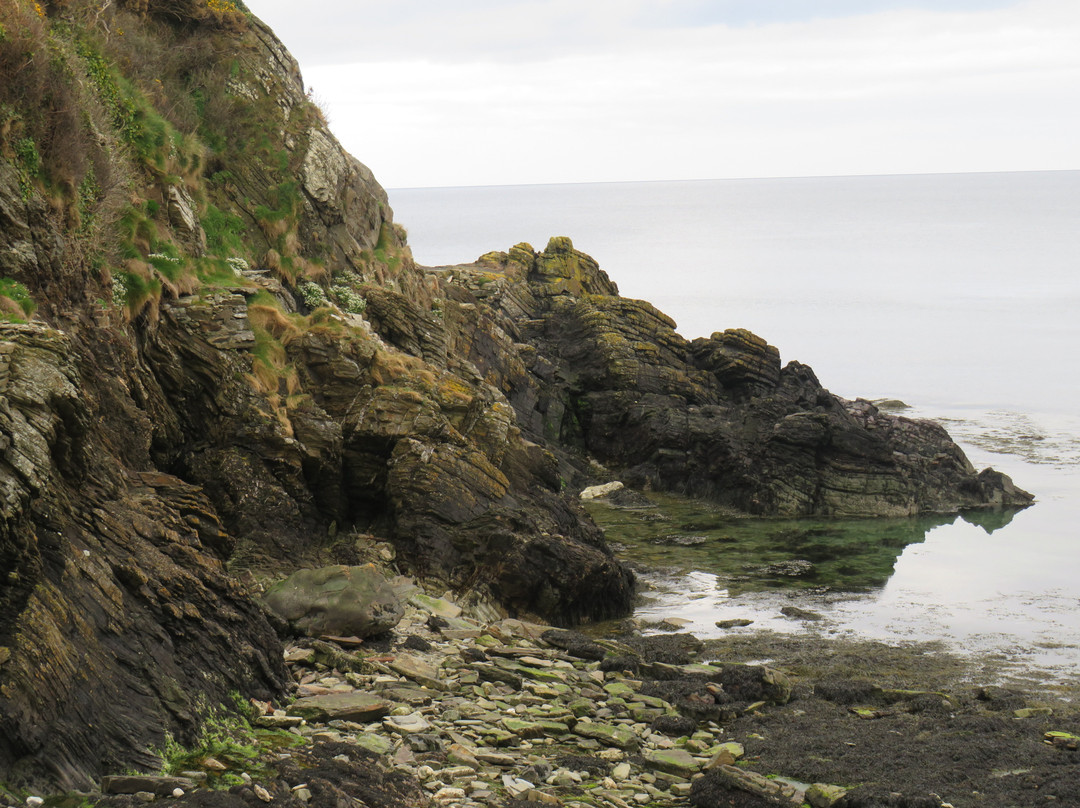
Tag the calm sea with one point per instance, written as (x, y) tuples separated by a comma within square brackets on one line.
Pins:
[(958, 294)]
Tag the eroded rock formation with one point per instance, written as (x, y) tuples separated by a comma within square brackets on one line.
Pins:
[(717, 418)]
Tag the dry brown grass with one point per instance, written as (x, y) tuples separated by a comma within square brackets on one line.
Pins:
[(394, 368), (274, 321)]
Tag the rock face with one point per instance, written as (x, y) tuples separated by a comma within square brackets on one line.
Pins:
[(117, 617), (237, 365), (715, 418)]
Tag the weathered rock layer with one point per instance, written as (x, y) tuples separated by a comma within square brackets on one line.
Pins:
[(717, 418)]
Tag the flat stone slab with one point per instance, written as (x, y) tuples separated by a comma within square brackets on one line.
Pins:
[(361, 707), (607, 734), (377, 744), (436, 606), (419, 670), (673, 761), (407, 724)]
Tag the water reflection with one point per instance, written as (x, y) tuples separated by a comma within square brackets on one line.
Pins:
[(747, 555), (990, 520), (959, 580)]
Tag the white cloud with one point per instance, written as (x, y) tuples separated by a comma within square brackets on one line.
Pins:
[(891, 92)]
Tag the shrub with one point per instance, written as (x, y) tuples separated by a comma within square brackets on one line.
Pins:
[(313, 295), (134, 291), (348, 299)]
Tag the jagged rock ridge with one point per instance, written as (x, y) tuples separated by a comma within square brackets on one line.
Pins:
[(235, 364)]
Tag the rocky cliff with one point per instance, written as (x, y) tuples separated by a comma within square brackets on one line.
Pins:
[(218, 355)]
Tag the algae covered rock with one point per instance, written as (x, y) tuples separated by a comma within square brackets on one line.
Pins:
[(338, 601), (716, 418)]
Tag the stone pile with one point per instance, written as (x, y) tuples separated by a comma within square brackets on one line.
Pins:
[(506, 712)]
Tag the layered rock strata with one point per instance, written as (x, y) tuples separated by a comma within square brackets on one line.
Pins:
[(717, 418)]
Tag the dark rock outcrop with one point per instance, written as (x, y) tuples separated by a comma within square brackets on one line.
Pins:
[(117, 617), (716, 418)]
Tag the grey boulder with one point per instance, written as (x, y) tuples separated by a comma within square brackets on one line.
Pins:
[(336, 601)]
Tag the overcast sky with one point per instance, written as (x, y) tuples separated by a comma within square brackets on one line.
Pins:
[(501, 92)]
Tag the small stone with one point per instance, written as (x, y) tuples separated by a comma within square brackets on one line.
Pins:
[(620, 772), (436, 606), (178, 792), (737, 622), (598, 491), (35, 802), (297, 655), (725, 755), (535, 795), (605, 733), (262, 793), (462, 755), (456, 773), (449, 794), (378, 744), (278, 721), (419, 670), (407, 724), (795, 613), (516, 786), (361, 707), (1031, 712), (496, 759), (1063, 739), (145, 796)]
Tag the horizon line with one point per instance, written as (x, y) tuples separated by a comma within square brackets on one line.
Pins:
[(730, 179)]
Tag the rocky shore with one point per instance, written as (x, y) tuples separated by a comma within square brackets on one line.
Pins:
[(217, 354), (458, 707)]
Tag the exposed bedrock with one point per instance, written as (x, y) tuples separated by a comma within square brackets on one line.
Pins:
[(115, 610), (717, 417)]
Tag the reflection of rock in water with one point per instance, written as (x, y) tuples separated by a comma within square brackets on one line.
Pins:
[(989, 520), (749, 554), (631, 499)]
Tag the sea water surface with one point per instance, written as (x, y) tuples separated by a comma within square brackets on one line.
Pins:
[(957, 294)]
